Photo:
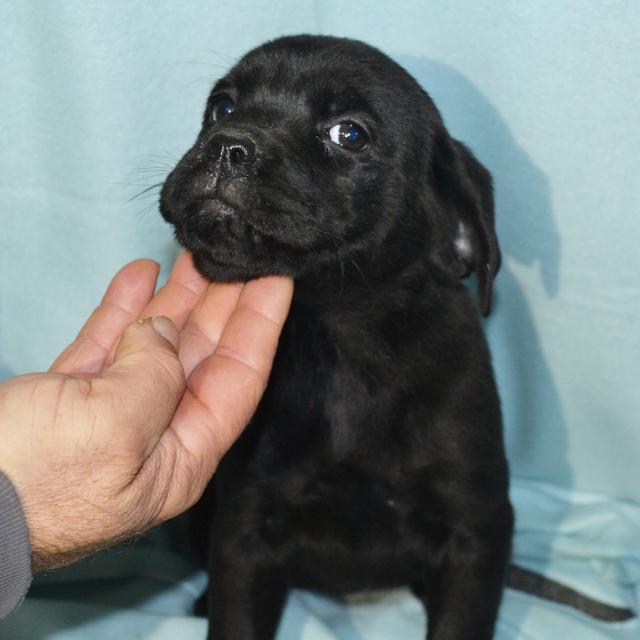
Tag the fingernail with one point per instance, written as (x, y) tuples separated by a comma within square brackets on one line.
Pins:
[(166, 329)]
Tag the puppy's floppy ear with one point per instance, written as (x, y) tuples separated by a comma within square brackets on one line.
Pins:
[(465, 238)]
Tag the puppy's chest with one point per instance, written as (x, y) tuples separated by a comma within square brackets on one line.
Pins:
[(337, 391), (334, 432), (352, 412)]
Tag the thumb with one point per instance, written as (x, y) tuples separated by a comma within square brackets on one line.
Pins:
[(146, 375), (150, 333)]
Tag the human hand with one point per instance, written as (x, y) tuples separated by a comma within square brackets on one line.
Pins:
[(126, 429)]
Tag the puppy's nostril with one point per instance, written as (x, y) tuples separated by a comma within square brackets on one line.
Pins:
[(232, 150), (239, 155)]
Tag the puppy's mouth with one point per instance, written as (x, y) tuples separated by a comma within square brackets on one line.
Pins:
[(212, 220), (213, 225), (228, 242)]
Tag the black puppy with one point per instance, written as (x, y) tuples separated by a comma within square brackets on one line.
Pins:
[(376, 456)]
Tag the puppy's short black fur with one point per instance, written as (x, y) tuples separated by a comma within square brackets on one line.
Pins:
[(376, 456)]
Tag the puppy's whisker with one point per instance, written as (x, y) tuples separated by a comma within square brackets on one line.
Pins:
[(324, 232), (153, 186), (158, 169), (224, 56), (164, 158), (146, 174), (293, 209), (159, 163), (200, 79), (302, 216), (337, 238), (213, 65), (366, 282), (142, 180), (150, 207), (170, 155), (135, 181), (313, 224), (139, 176), (146, 196), (134, 184)]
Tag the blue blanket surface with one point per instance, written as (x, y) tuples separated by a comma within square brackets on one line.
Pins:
[(98, 100)]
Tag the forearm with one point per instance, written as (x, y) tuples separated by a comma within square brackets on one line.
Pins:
[(15, 550)]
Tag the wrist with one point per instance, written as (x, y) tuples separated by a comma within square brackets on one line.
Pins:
[(15, 549)]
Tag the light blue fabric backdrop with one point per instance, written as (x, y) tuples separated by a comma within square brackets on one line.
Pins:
[(94, 94)]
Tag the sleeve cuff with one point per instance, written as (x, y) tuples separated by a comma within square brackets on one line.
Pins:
[(15, 550)]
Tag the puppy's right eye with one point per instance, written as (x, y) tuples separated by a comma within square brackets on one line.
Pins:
[(222, 107), (348, 135)]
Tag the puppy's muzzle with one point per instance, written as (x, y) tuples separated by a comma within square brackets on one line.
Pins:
[(222, 179)]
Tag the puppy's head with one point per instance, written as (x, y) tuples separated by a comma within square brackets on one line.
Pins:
[(322, 159)]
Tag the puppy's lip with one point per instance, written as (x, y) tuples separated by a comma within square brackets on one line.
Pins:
[(190, 239), (209, 255)]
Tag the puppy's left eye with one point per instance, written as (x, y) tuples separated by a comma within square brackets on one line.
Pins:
[(348, 135), (222, 107)]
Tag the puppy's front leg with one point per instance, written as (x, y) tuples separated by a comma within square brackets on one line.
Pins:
[(247, 593), (466, 577)]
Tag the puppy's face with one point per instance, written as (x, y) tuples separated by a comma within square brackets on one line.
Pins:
[(318, 156)]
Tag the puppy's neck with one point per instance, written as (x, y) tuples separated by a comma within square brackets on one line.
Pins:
[(352, 291)]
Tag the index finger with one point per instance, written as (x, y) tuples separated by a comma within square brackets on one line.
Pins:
[(176, 298), (224, 389), (180, 294)]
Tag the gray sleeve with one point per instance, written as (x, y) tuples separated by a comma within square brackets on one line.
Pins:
[(15, 550)]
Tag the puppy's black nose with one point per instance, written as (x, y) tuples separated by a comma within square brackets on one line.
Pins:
[(233, 149)]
